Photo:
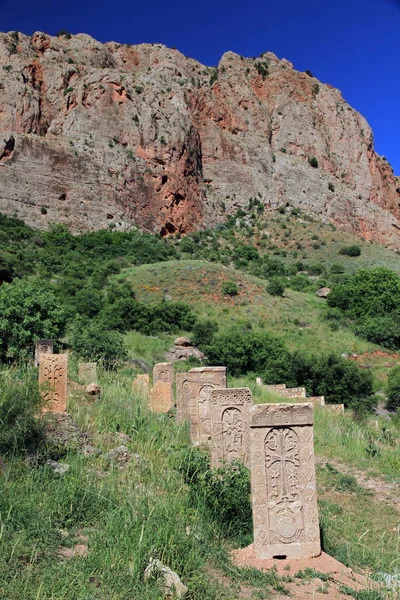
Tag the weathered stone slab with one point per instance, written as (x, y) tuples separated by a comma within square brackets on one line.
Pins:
[(87, 372), (292, 392), (141, 385), (316, 400), (43, 347), (337, 409), (202, 381), (163, 372), (276, 386), (230, 422), (284, 496), (182, 397), (161, 397), (53, 381)]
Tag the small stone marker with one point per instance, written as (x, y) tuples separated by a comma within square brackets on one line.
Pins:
[(292, 392), (163, 372), (337, 409), (160, 397), (202, 381), (182, 397), (276, 386), (53, 381), (87, 373), (141, 385), (259, 381), (43, 347), (230, 421), (284, 496), (316, 400)]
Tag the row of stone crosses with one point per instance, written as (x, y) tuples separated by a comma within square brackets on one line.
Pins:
[(274, 440)]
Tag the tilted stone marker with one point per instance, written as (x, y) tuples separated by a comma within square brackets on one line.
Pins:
[(283, 486), (87, 373), (291, 392), (337, 409), (182, 397), (141, 385), (163, 372), (230, 423), (43, 347), (53, 381), (316, 400), (160, 397), (202, 381)]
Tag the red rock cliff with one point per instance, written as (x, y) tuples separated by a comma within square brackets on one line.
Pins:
[(111, 134)]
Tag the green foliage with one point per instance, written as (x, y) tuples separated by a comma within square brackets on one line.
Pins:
[(28, 312), (384, 331), (331, 187), (230, 288), (262, 69), (20, 402), (308, 72), (204, 331), (93, 343), (276, 287), (64, 33), (224, 492), (393, 389), (353, 250), (313, 162), (213, 76)]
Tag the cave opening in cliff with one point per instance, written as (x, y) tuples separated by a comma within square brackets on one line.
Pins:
[(168, 229)]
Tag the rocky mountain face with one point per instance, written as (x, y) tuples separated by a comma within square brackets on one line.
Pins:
[(98, 135)]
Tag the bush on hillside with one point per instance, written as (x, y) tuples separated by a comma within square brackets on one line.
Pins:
[(384, 331), (393, 389), (28, 312), (276, 287), (20, 402), (204, 331), (350, 250), (93, 343), (229, 288)]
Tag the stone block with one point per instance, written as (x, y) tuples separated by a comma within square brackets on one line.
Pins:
[(291, 392), (161, 397), (337, 409), (43, 347), (202, 381), (163, 372), (182, 397), (230, 423), (87, 373), (141, 385), (53, 381), (316, 400), (283, 485)]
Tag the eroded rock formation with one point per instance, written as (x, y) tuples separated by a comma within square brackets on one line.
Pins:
[(97, 134)]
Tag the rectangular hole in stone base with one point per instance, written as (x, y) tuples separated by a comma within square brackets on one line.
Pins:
[(280, 556)]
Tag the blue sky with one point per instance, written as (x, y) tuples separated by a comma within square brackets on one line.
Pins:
[(351, 44)]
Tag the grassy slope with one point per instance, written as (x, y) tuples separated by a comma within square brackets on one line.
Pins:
[(295, 317)]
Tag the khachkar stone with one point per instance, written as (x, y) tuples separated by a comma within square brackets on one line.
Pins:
[(160, 397), (201, 382), (283, 485), (316, 400), (43, 347), (230, 421), (53, 381), (87, 372), (337, 409), (182, 397), (141, 385), (163, 372)]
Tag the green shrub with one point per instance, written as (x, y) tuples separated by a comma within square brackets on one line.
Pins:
[(331, 187), (28, 312), (93, 343), (384, 330), (64, 33), (313, 162), (276, 287), (337, 268), (20, 402), (204, 331), (393, 389), (353, 250), (230, 288), (223, 492)]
